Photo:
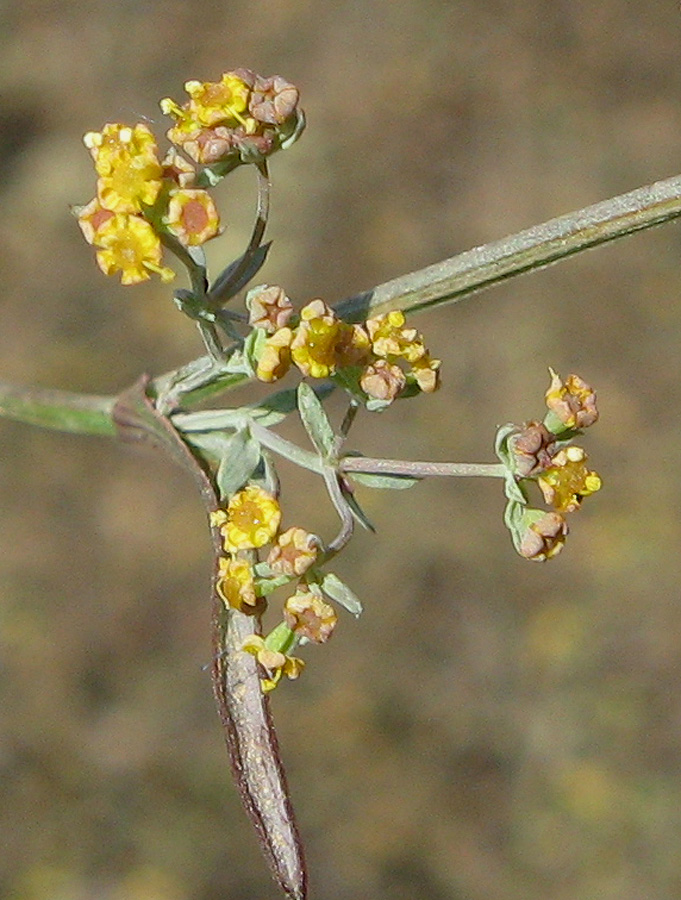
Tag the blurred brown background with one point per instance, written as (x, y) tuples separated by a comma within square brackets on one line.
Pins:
[(489, 729)]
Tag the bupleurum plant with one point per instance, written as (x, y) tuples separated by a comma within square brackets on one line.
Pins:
[(148, 204)]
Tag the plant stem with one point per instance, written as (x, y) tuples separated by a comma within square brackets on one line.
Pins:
[(414, 469), (60, 410), (453, 279)]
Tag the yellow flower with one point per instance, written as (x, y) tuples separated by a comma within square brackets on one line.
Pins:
[(309, 616), (426, 372), (192, 216), (236, 586), (274, 662), (275, 359), (572, 401), (314, 346), (130, 245), (390, 338), (218, 103), (567, 480), (126, 161), (252, 519), (294, 552)]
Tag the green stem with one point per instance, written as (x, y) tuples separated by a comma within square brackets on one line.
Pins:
[(414, 469), (61, 410), (453, 279)]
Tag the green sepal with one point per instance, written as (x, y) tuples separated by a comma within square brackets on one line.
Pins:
[(315, 420), (252, 349), (337, 590)]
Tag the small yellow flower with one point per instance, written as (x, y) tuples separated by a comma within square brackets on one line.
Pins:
[(390, 337), (252, 519), (236, 585), (130, 245), (126, 161), (294, 552), (309, 616), (218, 103), (192, 216), (426, 372), (274, 662), (315, 343), (275, 359), (567, 480), (572, 401)]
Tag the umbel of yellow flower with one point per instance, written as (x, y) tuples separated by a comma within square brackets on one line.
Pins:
[(251, 520)]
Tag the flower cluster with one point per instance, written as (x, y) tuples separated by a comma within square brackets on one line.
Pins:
[(383, 356), (244, 117), (250, 522), (543, 452), (144, 200)]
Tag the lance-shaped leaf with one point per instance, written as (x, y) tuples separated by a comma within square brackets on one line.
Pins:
[(315, 420), (341, 593)]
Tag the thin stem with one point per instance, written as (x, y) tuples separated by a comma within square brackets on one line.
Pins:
[(453, 279), (342, 508), (60, 410), (415, 469)]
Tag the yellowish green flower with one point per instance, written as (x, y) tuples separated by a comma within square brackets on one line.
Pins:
[(275, 359), (567, 480), (251, 520), (236, 585), (274, 662), (309, 616), (294, 552), (126, 161), (192, 216), (130, 245)]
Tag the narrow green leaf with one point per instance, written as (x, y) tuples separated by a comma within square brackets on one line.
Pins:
[(391, 482), (315, 420), (358, 512), (339, 591)]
